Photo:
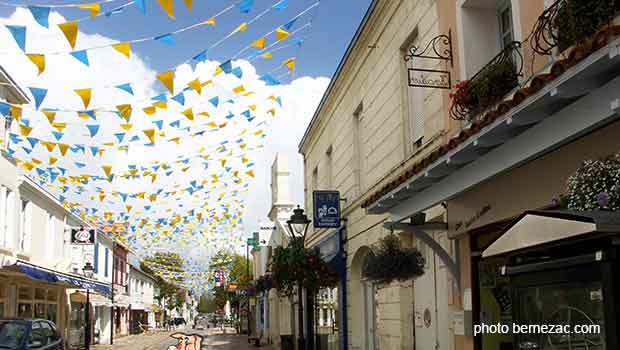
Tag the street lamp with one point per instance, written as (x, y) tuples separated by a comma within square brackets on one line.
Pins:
[(298, 226), (89, 271)]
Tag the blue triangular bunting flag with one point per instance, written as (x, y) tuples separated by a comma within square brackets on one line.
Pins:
[(19, 34), (125, 87), (39, 95), (215, 101), (40, 14), (280, 5), (237, 72), (245, 6), (93, 129), (167, 39), (180, 98), (81, 56)]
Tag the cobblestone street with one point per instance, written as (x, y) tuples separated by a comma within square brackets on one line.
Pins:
[(214, 339)]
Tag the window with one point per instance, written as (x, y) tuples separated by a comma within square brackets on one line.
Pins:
[(3, 300), (26, 226), (105, 269), (7, 211), (505, 23), (96, 257), (50, 235)]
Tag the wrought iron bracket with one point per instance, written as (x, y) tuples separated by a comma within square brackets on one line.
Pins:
[(420, 232), (438, 48)]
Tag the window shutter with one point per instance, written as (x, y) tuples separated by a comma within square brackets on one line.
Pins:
[(105, 270), (96, 258)]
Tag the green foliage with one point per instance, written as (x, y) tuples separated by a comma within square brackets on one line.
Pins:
[(390, 261), (593, 180), (169, 290), (239, 270), (495, 81), (577, 20), (207, 304), (296, 265)]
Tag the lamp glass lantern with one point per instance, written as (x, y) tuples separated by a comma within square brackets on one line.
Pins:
[(298, 223), (88, 269)]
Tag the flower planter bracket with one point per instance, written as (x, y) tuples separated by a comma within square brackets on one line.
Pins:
[(420, 232)]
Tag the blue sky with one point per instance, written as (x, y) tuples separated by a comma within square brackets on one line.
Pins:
[(333, 25)]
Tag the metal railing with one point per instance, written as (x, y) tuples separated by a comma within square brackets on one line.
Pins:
[(567, 22), (489, 85)]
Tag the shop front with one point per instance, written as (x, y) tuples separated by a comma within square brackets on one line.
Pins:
[(329, 317), (121, 315), (138, 318), (31, 291)]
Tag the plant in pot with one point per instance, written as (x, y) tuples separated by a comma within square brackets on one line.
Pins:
[(577, 20), (295, 265), (390, 261), (595, 185)]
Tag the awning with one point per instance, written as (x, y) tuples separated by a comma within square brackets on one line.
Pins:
[(93, 298), (537, 227), (51, 276)]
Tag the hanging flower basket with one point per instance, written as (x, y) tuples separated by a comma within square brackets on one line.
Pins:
[(296, 265), (264, 283), (595, 185), (390, 261)]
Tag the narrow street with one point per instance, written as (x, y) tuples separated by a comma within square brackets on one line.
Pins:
[(214, 339)]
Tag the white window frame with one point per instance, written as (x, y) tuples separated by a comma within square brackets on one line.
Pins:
[(25, 236), (503, 6)]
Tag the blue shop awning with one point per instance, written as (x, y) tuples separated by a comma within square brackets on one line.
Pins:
[(51, 276)]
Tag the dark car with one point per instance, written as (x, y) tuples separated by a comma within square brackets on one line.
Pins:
[(22, 334)]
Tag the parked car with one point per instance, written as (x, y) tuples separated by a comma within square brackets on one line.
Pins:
[(26, 334)]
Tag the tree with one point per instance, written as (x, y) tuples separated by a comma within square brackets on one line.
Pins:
[(207, 304), (167, 269), (239, 270)]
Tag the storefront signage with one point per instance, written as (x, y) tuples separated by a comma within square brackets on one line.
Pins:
[(429, 78), (82, 236), (326, 208), (438, 48), (467, 223)]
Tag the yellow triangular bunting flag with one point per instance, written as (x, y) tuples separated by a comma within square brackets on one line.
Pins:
[(195, 84), (126, 126), (70, 30), (124, 48), (50, 115), (210, 21), (59, 126), (84, 95), (167, 78), (189, 114), (281, 34), (38, 60), (63, 148), (52, 160), (124, 110), (267, 55), (160, 104), (250, 173), (242, 27), (239, 89), (107, 169), (94, 8), (150, 133), (168, 6), (24, 129), (16, 112), (289, 63), (260, 43), (149, 110), (188, 4)]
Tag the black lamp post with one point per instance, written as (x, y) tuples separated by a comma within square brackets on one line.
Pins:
[(298, 226), (88, 272)]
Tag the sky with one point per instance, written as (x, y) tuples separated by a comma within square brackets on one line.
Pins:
[(325, 30)]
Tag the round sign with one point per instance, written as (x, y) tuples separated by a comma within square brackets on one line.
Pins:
[(427, 318)]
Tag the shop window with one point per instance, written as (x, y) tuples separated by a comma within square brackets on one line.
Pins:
[(3, 300), (488, 26), (40, 310), (52, 312), (24, 310), (39, 294)]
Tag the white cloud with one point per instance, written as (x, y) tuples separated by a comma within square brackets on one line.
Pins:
[(108, 67)]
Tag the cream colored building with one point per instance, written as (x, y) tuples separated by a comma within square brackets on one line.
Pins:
[(369, 125), (395, 152), (37, 271)]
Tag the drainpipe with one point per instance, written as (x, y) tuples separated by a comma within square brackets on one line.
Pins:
[(344, 338)]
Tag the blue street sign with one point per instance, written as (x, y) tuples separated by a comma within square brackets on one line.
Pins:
[(326, 208)]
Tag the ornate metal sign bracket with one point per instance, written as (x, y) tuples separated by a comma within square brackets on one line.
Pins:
[(438, 48)]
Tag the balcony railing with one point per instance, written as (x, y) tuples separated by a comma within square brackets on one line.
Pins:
[(568, 22), (489, 85)]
